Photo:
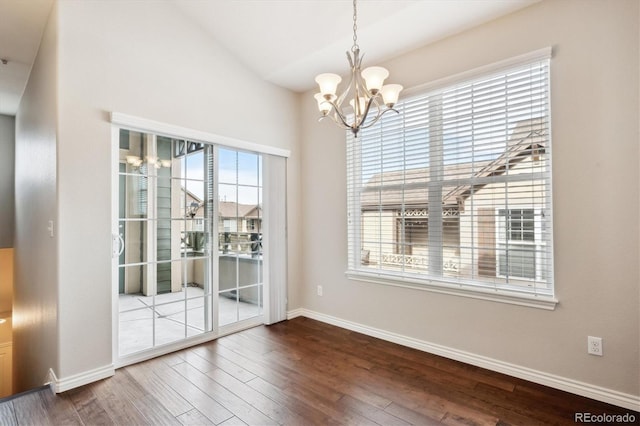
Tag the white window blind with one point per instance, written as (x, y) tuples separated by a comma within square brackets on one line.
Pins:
[(455, 190)]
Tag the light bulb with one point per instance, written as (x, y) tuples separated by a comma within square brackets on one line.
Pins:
[(323, 105), (374, 78), (328, 84), (390, 94)]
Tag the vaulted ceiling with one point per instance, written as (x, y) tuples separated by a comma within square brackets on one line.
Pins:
[(285, 42)]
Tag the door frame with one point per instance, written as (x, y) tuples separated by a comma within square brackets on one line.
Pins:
[(123, 121)]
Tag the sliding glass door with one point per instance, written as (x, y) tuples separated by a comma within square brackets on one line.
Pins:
[(240, 235), (189, 239)]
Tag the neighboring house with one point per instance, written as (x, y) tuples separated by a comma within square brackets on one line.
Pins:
[(477, 224), (236, 217), (240, 228)]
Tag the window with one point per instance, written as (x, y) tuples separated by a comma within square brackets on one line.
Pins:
[(455, 190)]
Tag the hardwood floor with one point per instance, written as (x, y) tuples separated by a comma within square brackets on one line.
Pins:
[(302, 372)]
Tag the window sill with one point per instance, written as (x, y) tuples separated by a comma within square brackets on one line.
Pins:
[(502, 296)]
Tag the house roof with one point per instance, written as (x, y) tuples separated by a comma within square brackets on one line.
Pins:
[(410, 187), (232, 209)]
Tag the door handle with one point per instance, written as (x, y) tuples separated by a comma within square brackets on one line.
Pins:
[(117, 245)]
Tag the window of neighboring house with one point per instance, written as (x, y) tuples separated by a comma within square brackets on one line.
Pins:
[(230, 225), (455, 190), (517, 249)]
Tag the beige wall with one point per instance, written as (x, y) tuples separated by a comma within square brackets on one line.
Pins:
[(7, 149), (595, 112), (35, 307)]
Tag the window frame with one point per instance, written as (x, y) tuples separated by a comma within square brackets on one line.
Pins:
[(504, 293)]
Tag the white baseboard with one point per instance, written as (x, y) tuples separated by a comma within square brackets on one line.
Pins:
[(71, 382), (296, 313), (598, 393)]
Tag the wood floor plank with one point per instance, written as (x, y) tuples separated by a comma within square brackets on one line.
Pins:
[(310, 413), (202, 364), (196, 397), (144, 374), (194, 418), (278, 412), (236, 405), (7, 414), (88, 407), (60, 409), (233, 421), (381, 417), (411, 416), (29, 410), (150, 408), (209, 353), (120, 409)]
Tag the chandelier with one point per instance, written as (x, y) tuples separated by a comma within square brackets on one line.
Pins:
[(365, 91)]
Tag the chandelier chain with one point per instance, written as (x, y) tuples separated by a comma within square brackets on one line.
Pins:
[(355, 28)]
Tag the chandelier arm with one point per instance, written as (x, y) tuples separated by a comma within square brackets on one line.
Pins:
[(343, 95), (337, 114), (343, 120), (366, 112), (378, 116), (340, 123)]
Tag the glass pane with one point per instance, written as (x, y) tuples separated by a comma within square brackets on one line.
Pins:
[(133, 151), (247, 169), (227, 166), (134, 236), (196, 275), (518, 261), (135, 199), (196, 323), (228, 307), (195, 166), (170, 321), (228, 194), (228, 275), (248, 196), (249, 271), (135, 331), (250, 302)]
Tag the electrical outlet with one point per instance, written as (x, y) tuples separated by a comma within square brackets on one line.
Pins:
[(594, 345), (319, 290)]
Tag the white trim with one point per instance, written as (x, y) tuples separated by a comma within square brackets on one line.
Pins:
[(80, 379), (502, 296), (610, 396), (300, 312), (151, 126), (115, 193)]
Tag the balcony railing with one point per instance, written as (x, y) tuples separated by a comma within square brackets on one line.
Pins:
[(243, 243), (418, 262)]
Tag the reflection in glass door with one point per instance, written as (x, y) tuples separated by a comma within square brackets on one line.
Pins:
[(165, 224)]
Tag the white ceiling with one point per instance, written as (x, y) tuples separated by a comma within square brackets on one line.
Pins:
[(285, 42)]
